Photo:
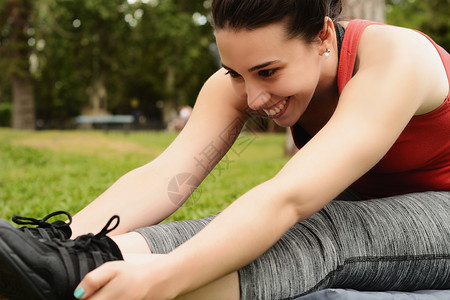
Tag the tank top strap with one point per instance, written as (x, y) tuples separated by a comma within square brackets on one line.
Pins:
[(349, 50)]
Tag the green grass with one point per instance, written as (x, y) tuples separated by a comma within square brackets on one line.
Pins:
[(44, 171)]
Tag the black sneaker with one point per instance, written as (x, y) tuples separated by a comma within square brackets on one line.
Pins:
[(45, 230), (42, 269)]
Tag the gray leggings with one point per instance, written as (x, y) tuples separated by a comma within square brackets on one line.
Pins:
[(397, 243)]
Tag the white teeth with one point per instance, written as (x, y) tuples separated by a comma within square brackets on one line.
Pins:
[(273, 111)]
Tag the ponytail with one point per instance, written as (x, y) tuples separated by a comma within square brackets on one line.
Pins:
[(335, 9)]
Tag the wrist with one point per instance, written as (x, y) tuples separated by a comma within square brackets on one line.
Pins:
[(178, 279), (170, 275), (159, 272)]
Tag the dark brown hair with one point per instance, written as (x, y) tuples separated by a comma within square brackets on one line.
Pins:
[(304, 18)]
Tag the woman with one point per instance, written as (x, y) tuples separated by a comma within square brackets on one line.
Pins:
[(370, 110)]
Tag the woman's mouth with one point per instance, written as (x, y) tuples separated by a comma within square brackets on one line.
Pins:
[(278, 109)]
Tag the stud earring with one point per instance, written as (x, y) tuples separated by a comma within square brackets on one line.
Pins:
[(327, 53)]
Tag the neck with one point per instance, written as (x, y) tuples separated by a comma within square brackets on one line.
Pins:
[(318, 113), (325, 99)]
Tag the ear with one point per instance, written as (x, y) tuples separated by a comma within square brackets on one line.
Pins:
[(327, 30), (326, 35)]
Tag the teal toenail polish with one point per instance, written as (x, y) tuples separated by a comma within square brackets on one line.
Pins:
[(79, 292)]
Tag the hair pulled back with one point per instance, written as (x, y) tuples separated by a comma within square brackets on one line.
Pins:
[(304, 18)]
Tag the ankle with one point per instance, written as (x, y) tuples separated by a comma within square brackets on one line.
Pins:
[(132, 242)]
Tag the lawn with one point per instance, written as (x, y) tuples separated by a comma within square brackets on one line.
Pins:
[(45, 171)]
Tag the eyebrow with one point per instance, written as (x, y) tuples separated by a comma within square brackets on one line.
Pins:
[(260, 66)]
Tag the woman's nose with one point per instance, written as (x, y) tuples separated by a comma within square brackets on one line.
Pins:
[(256, 97)]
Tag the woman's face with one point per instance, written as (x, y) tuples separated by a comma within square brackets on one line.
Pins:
[(277, 76)]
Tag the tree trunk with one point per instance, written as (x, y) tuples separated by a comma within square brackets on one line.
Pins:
[(289, 145), (21, 81), (97, 98), (374, 10), (23, 103), (169, 107)]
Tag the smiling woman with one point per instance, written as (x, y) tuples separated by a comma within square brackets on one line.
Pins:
[(364, 203), (266, 73)]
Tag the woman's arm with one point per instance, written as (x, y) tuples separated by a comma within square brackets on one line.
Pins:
[(374, 108), (142, 196), (387, 91)]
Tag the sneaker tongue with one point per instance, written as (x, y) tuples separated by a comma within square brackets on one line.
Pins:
[(114, 248), (64, 227)]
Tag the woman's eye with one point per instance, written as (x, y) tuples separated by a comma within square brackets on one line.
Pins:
[(267, 73), (233, 74)]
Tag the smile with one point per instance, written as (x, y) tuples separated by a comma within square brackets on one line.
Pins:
[(278, 109)]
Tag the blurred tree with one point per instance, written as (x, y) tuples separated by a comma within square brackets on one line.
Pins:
[(15, 31), (429, 16), (80, 51), (170, 45), (100, 54)]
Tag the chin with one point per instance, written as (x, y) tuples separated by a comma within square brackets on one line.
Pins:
[(285, 122)]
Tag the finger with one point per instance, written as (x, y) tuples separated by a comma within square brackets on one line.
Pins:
[(95, 280), (112, 290)]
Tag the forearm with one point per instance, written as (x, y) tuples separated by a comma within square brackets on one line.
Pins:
[(237, 236), (139, 197)]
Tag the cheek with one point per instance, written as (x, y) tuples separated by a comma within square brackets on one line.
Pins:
[(239, 88), (300, 83), (294, 86)]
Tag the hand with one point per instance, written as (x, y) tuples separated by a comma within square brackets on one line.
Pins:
[(141, 276)]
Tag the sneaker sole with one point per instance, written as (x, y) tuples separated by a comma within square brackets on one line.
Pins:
[(17, 280)]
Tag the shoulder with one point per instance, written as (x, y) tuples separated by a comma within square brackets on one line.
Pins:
[(219, 91), (397, 37), (408, 54), (217, 106), (395, 43)]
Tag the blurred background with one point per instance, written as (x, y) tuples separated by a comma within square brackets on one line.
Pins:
[(133, 62)]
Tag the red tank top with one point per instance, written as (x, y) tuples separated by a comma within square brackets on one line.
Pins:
[(420, 158)]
